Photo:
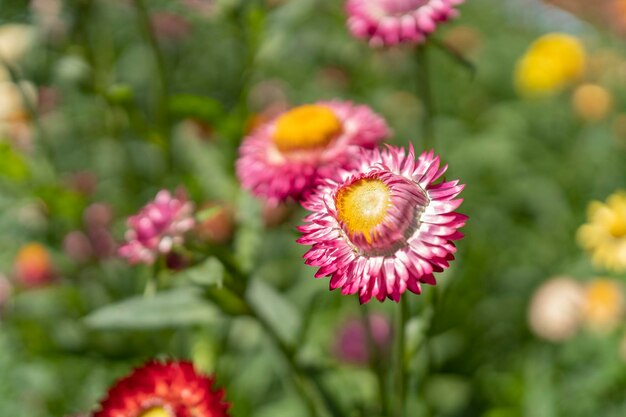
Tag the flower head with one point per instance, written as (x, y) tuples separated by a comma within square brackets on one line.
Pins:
[(604, 234), (15, 41), (284, 157), (6, 289), (555, 310), (592, 102), (389, 22), (385, 226), (169, 389), (33, 266), (604, 304), (552, 62), (159, 226), (352, 344)]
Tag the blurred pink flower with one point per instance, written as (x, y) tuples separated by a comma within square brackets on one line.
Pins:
[(5, 291), (157, 228), (390, 22), (205, 8), (283, 158), (82, 182), (384, 227), (169, 26), (77, 247), (98, 215), (352, 345), (96, 241)]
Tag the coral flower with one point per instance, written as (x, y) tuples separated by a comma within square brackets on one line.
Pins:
[(170, 389), (33, 266), (604, 235), (159, 226), (283, 158), (389, 22), (592, 102), (384, 227), (552, 62)]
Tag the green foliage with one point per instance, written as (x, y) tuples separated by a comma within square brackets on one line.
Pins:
[(170, 309), (121, 114)]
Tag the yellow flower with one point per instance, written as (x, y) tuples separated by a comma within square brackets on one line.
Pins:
[(604, 234), (604, 304), (552, 62)]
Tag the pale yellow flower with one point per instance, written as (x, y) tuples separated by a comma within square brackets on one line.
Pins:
[(604, 234), (554, 312), (15, 40), (552, 62), (12, 103), (604, 305)]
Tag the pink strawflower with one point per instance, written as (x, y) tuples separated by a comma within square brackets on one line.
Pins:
[(284, 157), (157, 228), (385, 226), (389, 22)]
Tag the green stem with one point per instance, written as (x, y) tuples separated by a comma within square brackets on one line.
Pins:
[(163, 113), (307, 386), (423, 79), (375, 361), (151, 284), (308, 389), (454, 54), (398, 362)]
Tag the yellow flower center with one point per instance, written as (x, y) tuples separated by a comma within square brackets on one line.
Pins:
[(306, 127), (362, 206), (617, 229), (155, 412)]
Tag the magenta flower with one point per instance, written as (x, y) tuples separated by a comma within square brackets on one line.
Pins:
[(157, 228), (352, 345), (390, 22), (283, 158), (385, 226)]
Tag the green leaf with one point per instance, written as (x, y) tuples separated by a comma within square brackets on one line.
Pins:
[(13, 165), (249, 238), (189, 105), (275, 309), (207, 274), (180, 307)]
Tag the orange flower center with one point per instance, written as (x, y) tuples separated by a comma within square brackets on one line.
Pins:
[(363, 205), (155, 412), (306, 127)]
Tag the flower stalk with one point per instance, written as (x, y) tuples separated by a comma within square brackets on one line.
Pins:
[(375, 361), (425, 92), (398, 358), (163, 92)]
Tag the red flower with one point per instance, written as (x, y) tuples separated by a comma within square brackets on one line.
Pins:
[(170, 389)]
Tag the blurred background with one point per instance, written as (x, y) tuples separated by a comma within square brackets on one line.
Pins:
[(104, 103)]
